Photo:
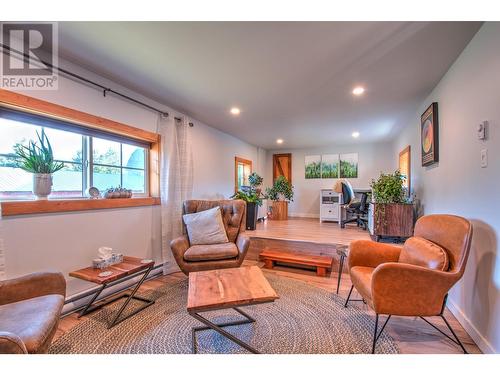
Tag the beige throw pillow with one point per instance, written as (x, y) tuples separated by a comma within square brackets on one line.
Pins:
[(205, 227)]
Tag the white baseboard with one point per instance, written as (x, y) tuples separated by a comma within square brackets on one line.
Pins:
[(170, 267), (307, 216), (470, 328)]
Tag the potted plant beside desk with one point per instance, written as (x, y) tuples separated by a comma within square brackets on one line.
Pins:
[(391, 210)]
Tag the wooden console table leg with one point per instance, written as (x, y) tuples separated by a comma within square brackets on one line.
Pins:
[(321, 271), (268, 263)]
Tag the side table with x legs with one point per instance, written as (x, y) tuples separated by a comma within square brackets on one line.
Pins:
[(120, 272)]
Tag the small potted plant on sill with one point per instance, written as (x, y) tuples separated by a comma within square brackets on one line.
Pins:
[(392, 207), (281, 193), (39, 160), (253, 197)]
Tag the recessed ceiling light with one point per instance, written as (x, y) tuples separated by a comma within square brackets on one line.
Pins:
[(235, 111), (355, 134), (279, 141), (358, 90)]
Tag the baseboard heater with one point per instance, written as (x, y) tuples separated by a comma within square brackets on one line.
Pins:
[(77, 302)]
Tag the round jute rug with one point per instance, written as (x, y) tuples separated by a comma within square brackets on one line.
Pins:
[(305, 319)]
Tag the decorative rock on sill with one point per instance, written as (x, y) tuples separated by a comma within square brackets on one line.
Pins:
[(119, 192)]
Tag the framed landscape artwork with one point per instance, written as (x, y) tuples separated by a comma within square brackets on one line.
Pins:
[(312, 166), (349, 165), (330, 166), (430, 135)]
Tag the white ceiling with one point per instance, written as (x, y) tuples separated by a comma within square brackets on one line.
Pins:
[(291, 80)]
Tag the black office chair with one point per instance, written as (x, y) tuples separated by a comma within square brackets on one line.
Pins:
[(359, 209)]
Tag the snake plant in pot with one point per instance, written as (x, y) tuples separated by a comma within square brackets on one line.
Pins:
[(252, 196), (38, 158)]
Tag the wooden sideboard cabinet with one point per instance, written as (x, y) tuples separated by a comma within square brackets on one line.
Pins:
[(390, 220)]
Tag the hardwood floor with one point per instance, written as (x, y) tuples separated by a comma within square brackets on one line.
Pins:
[(412, 335), (308, 230), (302, 236)]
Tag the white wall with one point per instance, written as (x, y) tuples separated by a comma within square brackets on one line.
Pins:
[(467, 95), (373, 158), (214, 154), (68, 241)]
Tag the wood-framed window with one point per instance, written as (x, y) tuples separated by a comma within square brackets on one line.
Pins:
[(96, 152), (405, 167), (242, 169)]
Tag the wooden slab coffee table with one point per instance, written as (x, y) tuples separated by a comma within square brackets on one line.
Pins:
[(120, 272), (229, 288)]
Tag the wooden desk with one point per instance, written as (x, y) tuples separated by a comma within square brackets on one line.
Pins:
[(121, 272), (228, 288)]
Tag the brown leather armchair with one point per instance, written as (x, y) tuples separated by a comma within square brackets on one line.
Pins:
[(30, 307), (413, 280), (208, 257)]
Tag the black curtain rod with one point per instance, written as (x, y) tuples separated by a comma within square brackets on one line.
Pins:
[(179, 119), (77, 76)]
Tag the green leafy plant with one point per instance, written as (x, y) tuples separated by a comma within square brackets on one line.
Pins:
[(37, 158), (251, 194), (281, 190), (255, 180), (249, 197), (388, 188)]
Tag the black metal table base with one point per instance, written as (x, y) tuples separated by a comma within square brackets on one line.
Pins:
[(218, 328), (129, 296)]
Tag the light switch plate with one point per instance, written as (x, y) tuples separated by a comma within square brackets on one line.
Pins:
[(482, 128), (484, 158)]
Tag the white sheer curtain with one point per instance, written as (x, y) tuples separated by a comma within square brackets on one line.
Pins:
[(2, 257), (176, 180)]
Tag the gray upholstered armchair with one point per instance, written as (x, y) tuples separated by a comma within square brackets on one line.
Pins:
[(207, 257), (30, 307)]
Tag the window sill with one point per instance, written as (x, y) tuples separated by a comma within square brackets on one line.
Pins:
[(13, 208)]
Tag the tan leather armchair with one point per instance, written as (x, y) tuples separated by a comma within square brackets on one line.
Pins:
[(30, 307), (413, 280), (207, 257)]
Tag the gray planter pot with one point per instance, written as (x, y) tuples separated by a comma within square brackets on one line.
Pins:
[(42, 185)]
